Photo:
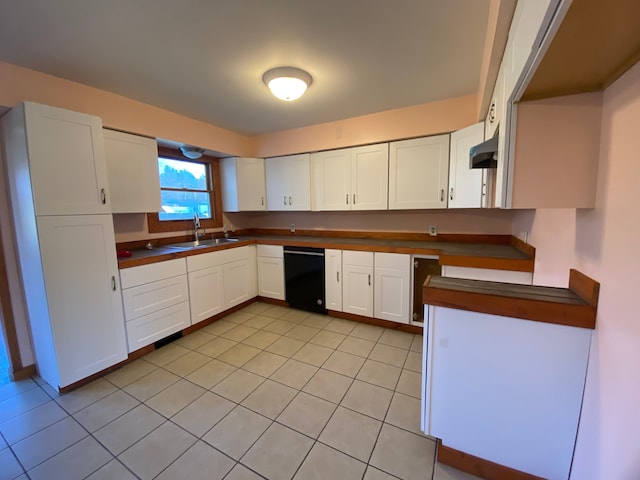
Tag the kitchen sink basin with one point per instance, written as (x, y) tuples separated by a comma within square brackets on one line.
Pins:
[(212, 242)]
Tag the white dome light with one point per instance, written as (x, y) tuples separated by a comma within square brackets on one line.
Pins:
[(287, 83)]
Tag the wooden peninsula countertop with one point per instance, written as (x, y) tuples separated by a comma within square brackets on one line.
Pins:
[(573, 306)]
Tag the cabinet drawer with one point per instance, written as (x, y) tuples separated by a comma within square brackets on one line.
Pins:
[(273, 251), (397, 261), (131, 277), (151, 297), (145, 330), (362, 259), (213, 259)]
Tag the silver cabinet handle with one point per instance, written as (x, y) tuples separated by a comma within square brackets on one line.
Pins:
[(346, 198), (369, 279), (451, 194), (113, 283), (103, 196), (285, 199), (338, 277), (289, 200), (442, 194), (262, 201), (354, 198)]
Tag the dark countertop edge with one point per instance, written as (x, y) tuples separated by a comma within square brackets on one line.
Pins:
[(464, 255), (527, 302)]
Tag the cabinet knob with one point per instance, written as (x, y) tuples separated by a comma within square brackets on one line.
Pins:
[(451, 194), (369, 276), (113, 283), (262, 201), (289, 200), (285, 199), (354, 199), (103, 196), (442, 194), (338, 277), (347, 198)]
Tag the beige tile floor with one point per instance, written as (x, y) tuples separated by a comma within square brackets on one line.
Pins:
[(266, 392)]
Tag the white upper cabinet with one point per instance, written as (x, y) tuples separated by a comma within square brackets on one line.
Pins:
[(66, 161), (465, 184), (494, 114), (331, 172), (370, 177), (288, 182), (351, 178), (418, 173), (243, 184), (132, 164)]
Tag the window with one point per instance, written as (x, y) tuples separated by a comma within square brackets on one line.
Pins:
[(187, 187)]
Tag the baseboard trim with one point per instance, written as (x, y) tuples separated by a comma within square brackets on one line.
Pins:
[(401, 327), (22, 373), (479, 466)]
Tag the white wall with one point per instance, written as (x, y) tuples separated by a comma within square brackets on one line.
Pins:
[(603, 243)]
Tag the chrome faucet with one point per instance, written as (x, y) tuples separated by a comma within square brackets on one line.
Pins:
[(196, 228)]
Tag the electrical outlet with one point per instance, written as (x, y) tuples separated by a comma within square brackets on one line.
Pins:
[(433, 230), (293, 228)]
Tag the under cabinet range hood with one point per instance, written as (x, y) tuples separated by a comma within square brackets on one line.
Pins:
[(485, 154)]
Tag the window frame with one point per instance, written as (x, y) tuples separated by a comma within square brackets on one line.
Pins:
[(160, 226)]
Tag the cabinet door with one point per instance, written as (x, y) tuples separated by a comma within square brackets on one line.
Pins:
[(357, 290), (288, 182), (83, 296), (370, 177), (66, 161), (271, 277), (465, 184), (418, 173), (331, 172), (206, 293), (277, 178), (132, 165), (392, 287), (243, 184), (236, 284), (333, 280), (300, 182)]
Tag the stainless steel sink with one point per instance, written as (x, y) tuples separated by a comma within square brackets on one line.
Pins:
[(212, 242)]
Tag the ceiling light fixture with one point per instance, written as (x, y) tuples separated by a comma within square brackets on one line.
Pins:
[(192, 152), (287, 83)]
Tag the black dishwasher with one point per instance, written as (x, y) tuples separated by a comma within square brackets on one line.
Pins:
[(304, 278)]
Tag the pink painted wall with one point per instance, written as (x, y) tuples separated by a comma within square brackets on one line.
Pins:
[(559, 135), (116, 111), (603, 243), (415, 121)]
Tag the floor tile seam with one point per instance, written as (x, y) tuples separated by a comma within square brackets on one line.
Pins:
[(243, 398), (164, 388), (88, 434), (67, 415), (344, 453), (113, 419), (15, 394), (24, 470), (170, 361), (201, 437), (29, 409), (176, 413), (280, 412), (189, 448)]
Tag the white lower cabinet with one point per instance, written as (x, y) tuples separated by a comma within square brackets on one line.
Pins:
[(206, 294), (218, 281), (271, 271), (156, 301), (357, 286), (333, 279), (392, 287)]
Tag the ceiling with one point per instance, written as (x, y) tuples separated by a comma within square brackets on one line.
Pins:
[(205, 58)]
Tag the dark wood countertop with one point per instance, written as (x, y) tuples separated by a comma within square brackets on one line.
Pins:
[(574, 306), (500, 256)]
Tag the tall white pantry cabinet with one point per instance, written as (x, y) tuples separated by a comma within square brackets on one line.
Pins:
[(58, 189)]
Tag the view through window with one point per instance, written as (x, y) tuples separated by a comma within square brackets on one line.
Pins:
[(185, 188)]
